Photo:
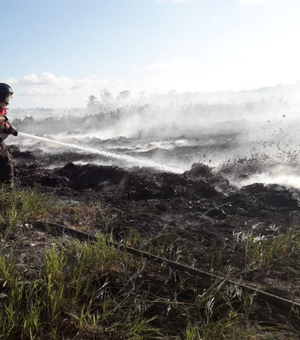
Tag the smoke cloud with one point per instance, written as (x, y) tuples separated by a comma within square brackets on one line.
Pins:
[(249, 136)]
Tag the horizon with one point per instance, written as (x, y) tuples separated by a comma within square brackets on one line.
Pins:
[(284, 94), (58, 54)]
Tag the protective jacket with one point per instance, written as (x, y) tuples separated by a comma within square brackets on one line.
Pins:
[(6, 160), (4, 126)]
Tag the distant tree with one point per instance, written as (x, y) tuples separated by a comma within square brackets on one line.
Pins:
[(92, 103), (106, 96), (123, 95), (172, 93), (142, 97)]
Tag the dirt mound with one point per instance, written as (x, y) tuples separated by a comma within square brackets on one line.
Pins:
[(200, 182), (135, 184)]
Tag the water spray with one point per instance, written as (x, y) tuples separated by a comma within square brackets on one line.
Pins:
[(141, 162)]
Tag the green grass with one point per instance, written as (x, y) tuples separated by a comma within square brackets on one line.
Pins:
[(19, 206), (92, 290), (259, 251), (82, 288)]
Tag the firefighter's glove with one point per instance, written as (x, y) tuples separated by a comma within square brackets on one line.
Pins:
[(11, 130), (14, 132), (7, 120)]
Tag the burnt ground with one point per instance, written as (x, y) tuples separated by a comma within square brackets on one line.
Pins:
[(197, 218)]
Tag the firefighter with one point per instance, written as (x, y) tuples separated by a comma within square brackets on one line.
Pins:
[(6, 128)]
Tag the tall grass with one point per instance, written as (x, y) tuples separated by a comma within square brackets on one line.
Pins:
[(258, 251), (80, 288), (94, 291), (91, 290), (19, 206)]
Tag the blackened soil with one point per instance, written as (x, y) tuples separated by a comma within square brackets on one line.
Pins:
[(198, 214)]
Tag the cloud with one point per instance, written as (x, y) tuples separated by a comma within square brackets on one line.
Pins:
[(164, 1), (165, 75), (159, 65), (49, 83), (50, 90), (175, 64), (244, 2)]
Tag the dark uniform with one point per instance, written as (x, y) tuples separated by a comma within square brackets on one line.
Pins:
[(6, 165), (6, 128)]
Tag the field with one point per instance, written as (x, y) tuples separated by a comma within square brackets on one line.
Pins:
[(211, 200)]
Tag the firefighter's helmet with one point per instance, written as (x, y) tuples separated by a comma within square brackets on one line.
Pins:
[(6, 93)]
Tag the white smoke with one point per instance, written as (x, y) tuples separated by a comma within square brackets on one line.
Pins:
[(181, 129)]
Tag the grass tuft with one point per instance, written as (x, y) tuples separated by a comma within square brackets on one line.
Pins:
[(19, 206)]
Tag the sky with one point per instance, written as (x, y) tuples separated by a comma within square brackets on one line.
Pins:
[(56, 53)]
